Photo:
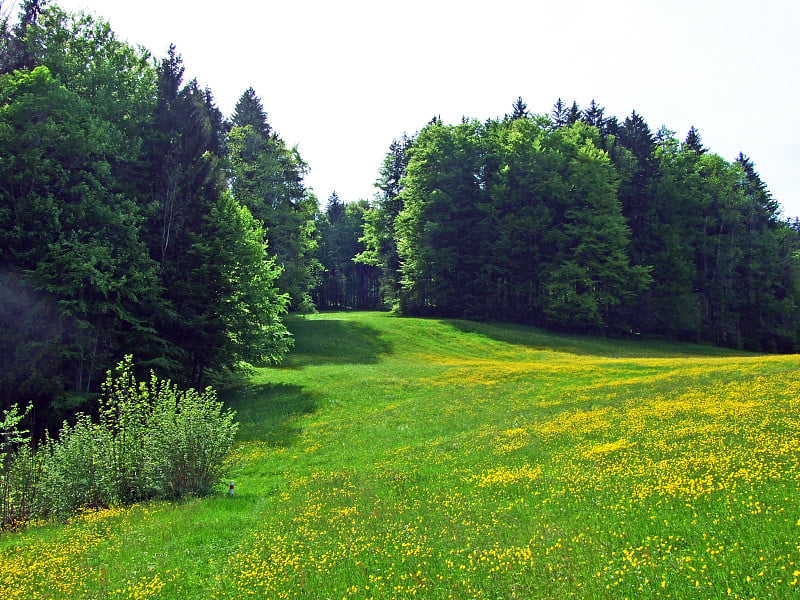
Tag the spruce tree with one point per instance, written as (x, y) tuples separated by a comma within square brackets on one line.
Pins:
[(558, 115), (267, 177), (250, 111), (573, 114), (593, 115), (693, 141), (520, 109)]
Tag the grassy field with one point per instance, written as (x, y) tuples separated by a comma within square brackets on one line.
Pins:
[(410, 458)]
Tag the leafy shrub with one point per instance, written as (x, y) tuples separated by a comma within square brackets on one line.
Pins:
[(151, 440), (22, 481), (187, 438), (76, 469), (18, 469)]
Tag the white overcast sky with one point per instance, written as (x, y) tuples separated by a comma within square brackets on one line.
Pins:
[(343, 78)]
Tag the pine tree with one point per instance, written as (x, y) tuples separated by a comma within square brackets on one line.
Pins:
[(520, 109), (574, 114), (250, 111), (593, 115), (694, 141), (558, 115)]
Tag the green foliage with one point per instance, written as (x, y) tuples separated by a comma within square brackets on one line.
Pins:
[(71, 242), (515, 219), (14, 449), (15, 52), (344, 281), (439, 230), (379, 237), (152, 440), (77, 469), (267, 178), (240, 269), (584, 223), (117, 231)]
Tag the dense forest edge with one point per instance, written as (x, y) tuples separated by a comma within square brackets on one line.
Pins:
[(136, 219)]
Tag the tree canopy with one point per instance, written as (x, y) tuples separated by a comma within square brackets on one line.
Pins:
[(578, 222), (136, 219), (119, 233)]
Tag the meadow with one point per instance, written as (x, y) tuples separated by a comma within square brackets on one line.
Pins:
[(417, 458)]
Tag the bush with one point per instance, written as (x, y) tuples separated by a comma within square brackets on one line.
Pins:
[(186, 440), (76, 470), (18, 469), (151, 440)]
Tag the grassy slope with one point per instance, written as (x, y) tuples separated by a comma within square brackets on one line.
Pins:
[(393, 458)]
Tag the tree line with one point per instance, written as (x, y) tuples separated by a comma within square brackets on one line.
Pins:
[(135, 218), (579, 221)]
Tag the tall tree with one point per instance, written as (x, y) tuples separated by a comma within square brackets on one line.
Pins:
[(767, 289), (250, 111), (573, 114), (194, 228), (15, 52), (558, 115), (669, 233), (70, 232), (592, 276), (439, 230), (693, 141), (593, 115), (634, 159), (520, 218), (267, 177), (520, 109), (379, 239)]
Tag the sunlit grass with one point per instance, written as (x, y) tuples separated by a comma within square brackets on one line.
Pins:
[(401, 458)]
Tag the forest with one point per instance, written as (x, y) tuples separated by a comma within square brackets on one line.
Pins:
[(581, 222), (136, 218)]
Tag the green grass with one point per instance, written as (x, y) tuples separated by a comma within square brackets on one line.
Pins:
[(399, 458)]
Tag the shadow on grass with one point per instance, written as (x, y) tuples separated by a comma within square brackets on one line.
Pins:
[(333, 342), (587, 345), (268, 412)]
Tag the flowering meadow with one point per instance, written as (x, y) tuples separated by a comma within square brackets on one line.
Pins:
[(413, 458)]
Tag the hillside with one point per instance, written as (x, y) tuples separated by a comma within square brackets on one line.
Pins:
[(398, 458)]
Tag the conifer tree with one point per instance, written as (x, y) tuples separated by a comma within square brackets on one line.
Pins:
[(379, 239), (250, 111), (520, 109), (267, 177), (573, 114), (558, 115), (693, 141), (593, 115)]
